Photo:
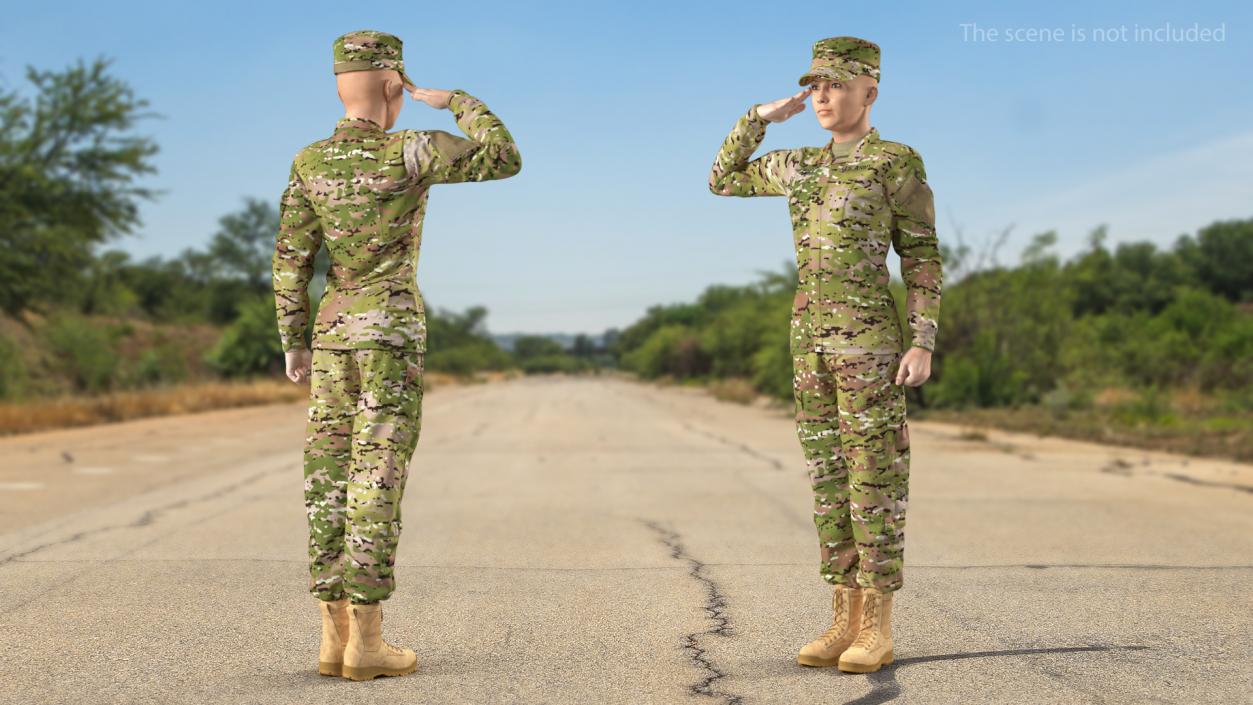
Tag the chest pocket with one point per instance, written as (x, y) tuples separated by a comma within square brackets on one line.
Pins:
[(859, 195), (805, 196)]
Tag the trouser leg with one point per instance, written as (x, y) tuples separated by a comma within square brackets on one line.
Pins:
[(385, 434), (818, 428), (333, 387), (875, 437)]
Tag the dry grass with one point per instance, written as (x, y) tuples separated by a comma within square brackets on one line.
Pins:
[(66, 412), (69, 411), (972, 434), (736, 390), (1229, 436), (1113, 396)]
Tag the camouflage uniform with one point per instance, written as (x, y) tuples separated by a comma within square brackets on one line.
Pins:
[(362, 191), (847, 203)]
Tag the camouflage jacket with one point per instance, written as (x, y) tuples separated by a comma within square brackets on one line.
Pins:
[(845, 212), (363, 192)]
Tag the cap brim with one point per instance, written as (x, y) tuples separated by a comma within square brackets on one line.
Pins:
[(830, 75)]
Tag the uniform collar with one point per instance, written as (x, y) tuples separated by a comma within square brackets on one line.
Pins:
[(867, 139), (358, 124)]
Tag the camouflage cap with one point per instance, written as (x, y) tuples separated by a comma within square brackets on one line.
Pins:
[(367, 50), (842, 58)]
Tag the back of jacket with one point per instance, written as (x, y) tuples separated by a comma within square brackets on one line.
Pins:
[(362, 191)]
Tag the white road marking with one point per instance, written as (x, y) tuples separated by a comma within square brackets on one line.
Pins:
[(21, 486), (93, 470)]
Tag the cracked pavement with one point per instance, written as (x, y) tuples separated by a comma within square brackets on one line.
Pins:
[(577, 540)]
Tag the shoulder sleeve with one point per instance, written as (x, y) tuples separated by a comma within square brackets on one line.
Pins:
[(297, 243), (734, 175), (914, 239), (487, 152)]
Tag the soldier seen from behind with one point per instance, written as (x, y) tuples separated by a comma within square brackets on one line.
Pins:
[(361, 193)]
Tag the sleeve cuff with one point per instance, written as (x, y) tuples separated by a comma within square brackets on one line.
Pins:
[(753, 117), (453, 98)]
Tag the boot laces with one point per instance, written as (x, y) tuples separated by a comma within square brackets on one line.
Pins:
[(869, 632), (840, 625)]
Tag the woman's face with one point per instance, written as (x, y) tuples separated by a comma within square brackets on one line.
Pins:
[(841, 104)]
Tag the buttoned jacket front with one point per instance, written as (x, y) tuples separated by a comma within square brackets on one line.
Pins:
[(846, 213)]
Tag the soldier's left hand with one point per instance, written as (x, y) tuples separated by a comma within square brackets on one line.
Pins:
[(298, 364), (433, 97), (915, 367)]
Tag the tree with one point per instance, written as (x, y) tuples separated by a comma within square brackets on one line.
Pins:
[(1222, 257), (528, 346), (583, 346), (66, 170), (243, 247)]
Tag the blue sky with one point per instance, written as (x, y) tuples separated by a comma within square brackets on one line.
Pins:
[(619, 109)]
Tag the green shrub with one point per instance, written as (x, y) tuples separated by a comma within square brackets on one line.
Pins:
[(162, 363), (250, 344), (545, 364), (83, 352), (772, 369), (670, 350), (13, 374)]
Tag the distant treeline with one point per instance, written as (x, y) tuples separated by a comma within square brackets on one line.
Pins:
[(80, 318), (1135, 318), (77, 318)]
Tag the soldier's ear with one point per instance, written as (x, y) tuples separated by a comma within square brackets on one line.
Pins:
[(872, 92)]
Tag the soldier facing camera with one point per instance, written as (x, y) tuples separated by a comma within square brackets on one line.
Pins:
[(849, 201)]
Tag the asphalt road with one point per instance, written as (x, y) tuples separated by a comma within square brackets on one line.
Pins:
[(602, 541)]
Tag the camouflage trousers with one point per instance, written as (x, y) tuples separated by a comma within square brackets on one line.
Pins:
[(850, 418), (365, 414)]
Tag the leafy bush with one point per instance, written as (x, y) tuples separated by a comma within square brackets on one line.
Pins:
[(12, 370), (545, 364), (84, 352), (670, 350), (251, 344), (162, 363)]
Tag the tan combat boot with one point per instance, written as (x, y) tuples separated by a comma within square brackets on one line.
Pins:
[(334, 636), (873, 646), (826, 649), (367, 656)]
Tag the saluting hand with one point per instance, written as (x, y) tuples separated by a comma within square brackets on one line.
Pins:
[(433, 97), (784, 108), (915, 367)]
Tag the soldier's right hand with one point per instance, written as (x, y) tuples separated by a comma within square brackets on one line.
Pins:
[(784, 108), (433, 97), (298, 364)]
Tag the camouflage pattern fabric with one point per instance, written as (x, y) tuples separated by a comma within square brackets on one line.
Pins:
[(847, 207), (845, 214), (364, 422), (842, 58), (362, 192), (851, 421), (368, 50)]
